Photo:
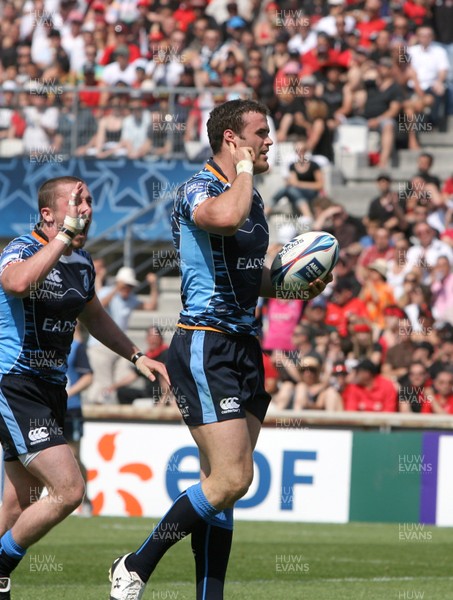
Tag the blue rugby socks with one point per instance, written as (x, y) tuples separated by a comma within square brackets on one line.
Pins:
[(211, 546), (188, 510), (10, 554)]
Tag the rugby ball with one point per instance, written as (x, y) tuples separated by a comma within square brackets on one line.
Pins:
[(307, 257)]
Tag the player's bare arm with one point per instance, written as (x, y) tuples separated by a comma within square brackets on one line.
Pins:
[(224, 214), (103, 328), (19, 277)]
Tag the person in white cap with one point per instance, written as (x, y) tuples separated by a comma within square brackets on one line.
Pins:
[(119, 300)]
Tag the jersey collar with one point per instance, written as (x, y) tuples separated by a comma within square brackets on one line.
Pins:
[(212, 166), (39, 235)]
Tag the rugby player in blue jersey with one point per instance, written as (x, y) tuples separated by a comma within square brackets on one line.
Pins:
[(215, 361), (46, 283)]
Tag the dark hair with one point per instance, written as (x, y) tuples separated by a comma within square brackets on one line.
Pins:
[(443, 370), (368, 365), (47, 193), (230, 116), (425, 346), (427, 155)]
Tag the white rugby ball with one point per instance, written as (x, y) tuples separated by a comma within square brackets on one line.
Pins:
[(307, 257)]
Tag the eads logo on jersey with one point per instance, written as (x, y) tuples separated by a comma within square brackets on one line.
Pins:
[(229, 405)]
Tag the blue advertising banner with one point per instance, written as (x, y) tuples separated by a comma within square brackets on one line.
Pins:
[(120, 188)]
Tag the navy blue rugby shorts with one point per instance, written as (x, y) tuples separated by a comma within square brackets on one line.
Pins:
[(32, 414), (216, 376)]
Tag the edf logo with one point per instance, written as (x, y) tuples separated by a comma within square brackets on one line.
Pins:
[(290, 478)]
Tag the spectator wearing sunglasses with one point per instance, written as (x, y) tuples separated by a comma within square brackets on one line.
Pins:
[(314, 391)]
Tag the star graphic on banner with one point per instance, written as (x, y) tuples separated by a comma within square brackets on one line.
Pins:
[(127, 192)]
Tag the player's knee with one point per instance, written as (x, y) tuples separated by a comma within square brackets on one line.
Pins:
[(72, 496), (11, 513), (239, 485)]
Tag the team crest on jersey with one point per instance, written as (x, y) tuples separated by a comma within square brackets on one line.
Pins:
[(85, 279)]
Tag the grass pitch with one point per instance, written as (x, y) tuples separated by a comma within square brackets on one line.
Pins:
[(269, 561)]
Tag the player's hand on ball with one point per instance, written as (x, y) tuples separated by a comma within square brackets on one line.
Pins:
[(317, 286), (146, 366)]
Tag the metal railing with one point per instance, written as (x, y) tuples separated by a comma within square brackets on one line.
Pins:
[(167, 107)]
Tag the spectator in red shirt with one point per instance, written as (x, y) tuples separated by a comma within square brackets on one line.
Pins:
[(270, 374), (389, 335), (319, 56), (415, 11), (372, 22), (121, 35), (370, 391), (442, 401), (343, 305), (448, 186), (188, 12), (90, 98)]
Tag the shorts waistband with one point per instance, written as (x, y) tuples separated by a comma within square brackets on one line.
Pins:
[(31, 378), (241, 336)]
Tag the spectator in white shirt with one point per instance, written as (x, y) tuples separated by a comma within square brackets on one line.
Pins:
[(135, 128), (428, 71), (74, 43), (430, 248), (305, 40), (121, 69), (42, 123), (328, 24)]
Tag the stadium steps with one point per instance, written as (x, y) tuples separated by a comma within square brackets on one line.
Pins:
[(356, 197), (442, 157), (165, 317)]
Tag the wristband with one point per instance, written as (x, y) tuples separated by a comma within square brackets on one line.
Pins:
[(136, 356), (63, 237), (68, 232), (244, 166)]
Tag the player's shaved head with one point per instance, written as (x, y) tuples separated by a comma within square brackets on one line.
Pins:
[(230, 116), (48, 192)]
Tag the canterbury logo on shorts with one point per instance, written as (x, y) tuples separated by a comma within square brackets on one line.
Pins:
[(229, 404), (38, 434)]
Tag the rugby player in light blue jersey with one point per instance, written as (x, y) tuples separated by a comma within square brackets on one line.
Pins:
[(46, 283), (215, 361)]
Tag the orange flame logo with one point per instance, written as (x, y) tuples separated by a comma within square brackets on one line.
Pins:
[(132, 506)]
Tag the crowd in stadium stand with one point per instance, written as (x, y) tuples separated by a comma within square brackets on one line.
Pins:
[(315, 64), (383, 339)]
